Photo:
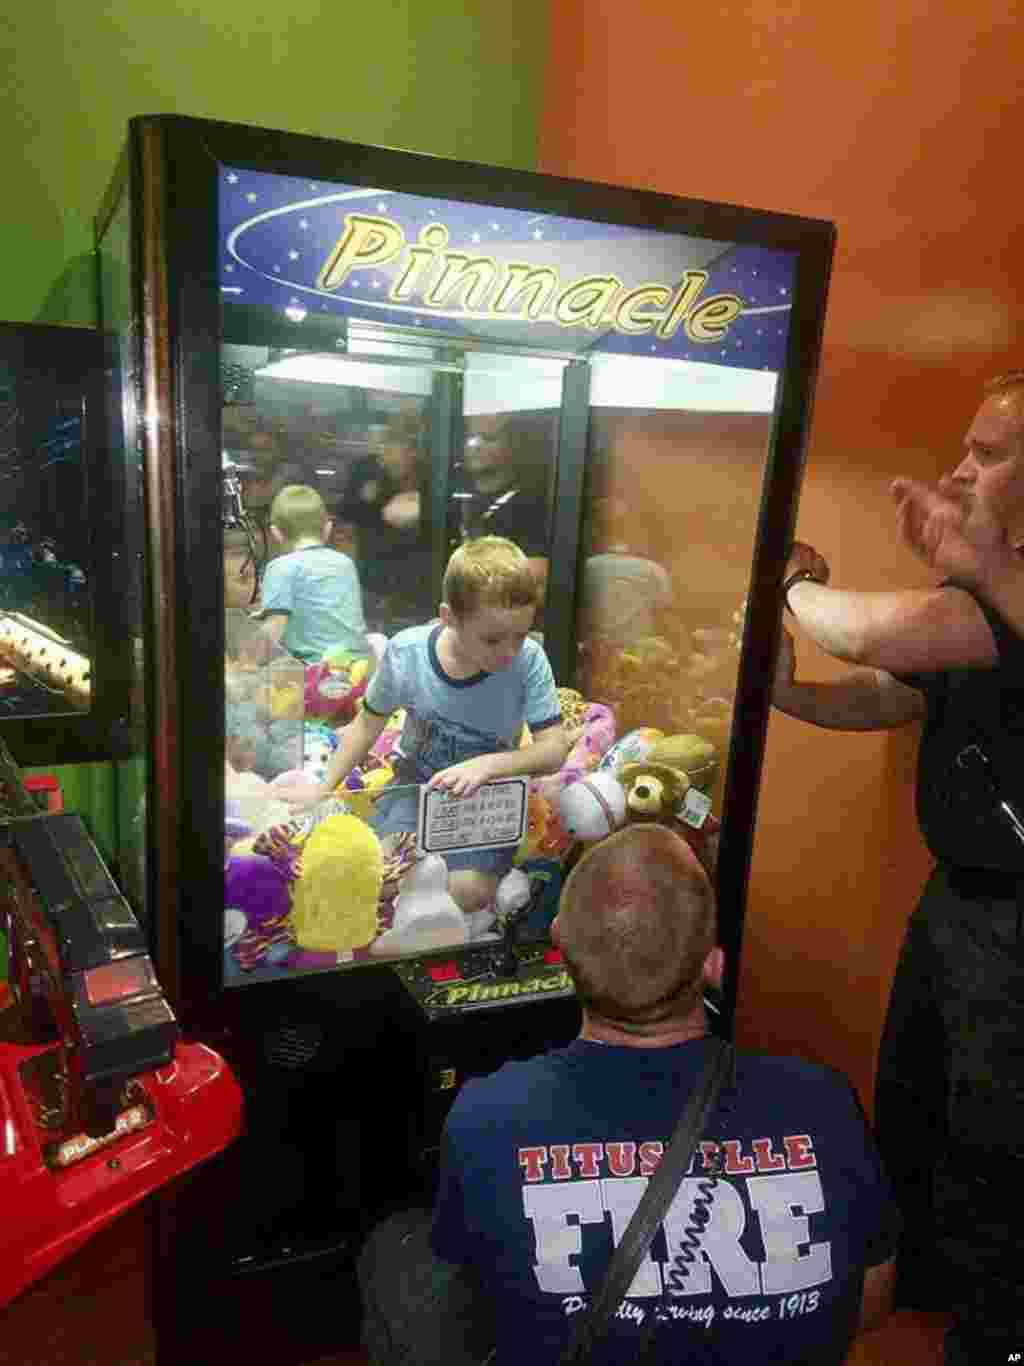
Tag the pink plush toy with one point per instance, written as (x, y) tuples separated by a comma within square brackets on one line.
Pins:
[(596, 738), (334, 686), (330, 693)]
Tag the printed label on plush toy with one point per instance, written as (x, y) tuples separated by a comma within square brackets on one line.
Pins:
[(695, 808), (495, 816)]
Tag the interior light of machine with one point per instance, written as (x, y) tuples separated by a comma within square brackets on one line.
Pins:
[(117, 981), (317, 368), (10, 1138)]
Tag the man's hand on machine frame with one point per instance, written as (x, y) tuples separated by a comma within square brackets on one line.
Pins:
[(803, 558)]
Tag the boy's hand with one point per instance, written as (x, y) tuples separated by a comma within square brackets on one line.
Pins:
[(462, 780)]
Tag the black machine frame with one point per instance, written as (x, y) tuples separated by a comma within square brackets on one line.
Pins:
[(171, 171)]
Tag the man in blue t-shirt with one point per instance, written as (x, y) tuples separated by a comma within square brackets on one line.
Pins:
[(783, 1259)]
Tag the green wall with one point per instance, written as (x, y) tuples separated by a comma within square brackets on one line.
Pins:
[(452, 77)]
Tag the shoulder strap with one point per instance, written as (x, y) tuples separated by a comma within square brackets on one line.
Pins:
[(652, 1207)]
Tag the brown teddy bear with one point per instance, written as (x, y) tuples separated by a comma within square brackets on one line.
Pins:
[(670, 786)]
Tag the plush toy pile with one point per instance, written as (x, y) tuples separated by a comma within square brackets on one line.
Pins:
[(314, 889)]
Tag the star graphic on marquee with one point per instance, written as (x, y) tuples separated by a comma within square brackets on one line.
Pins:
[(232, 179)]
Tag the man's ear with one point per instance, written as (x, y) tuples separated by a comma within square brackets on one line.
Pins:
[(714, 967), (328, 530), (445, 613), (276, 534)]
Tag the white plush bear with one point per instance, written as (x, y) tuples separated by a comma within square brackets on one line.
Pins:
[(426, 914), (513, 892), (593, 806), (428, 917)]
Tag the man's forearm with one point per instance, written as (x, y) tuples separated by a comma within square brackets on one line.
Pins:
[(1001, 584), (860, 701), (835, 619), (915, 630)]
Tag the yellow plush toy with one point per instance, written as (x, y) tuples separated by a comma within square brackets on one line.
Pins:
[(695, 755), (340, 874), (361, 800)]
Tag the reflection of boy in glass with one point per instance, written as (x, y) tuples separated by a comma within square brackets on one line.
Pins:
[(310, 600), (502, 495), (384, 509)]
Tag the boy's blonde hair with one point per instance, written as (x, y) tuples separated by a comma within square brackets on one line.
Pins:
[(488, 572), (298, 511)]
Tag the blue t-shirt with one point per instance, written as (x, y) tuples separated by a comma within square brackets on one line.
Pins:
[(451, 719), (544, 1162), (317, 588)]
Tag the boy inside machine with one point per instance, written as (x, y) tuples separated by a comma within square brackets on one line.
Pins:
[(468, 681)]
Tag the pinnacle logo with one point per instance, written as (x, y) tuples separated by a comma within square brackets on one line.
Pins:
[(477, 993), (483, 287)]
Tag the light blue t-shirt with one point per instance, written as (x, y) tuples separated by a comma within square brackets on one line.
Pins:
[(317, 588), (451, 719)]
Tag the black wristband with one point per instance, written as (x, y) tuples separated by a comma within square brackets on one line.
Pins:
[(797, 577)]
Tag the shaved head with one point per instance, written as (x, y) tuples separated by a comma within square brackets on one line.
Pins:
[(635, 925)]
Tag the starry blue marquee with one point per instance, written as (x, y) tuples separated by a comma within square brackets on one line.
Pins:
[(278, 233)]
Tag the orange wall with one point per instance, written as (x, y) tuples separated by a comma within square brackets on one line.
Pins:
[(897, 120)]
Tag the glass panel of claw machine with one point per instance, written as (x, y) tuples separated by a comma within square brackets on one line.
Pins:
[(624, 391), (415, 444), (619, 380), (415, 440)]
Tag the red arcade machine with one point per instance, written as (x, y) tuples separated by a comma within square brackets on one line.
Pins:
[(101, 1103)]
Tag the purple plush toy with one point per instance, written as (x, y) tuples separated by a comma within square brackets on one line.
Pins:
[(258, 887)]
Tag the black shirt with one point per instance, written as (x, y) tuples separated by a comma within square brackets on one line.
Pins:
[(956, 806), (520, 514), (390, 559)]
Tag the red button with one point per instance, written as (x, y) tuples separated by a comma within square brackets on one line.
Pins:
[(445, 972)]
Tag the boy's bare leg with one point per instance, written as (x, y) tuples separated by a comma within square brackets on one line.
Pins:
[(472, 890)]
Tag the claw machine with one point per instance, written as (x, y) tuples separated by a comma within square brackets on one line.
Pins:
[(617, 380)]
